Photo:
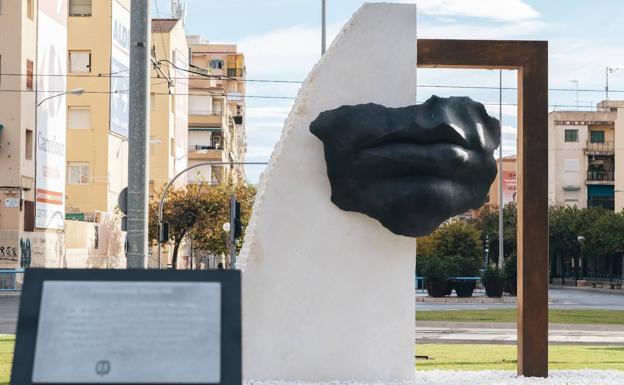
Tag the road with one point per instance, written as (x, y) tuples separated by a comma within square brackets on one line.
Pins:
[(558, 299), (8, 314), (505, 333)]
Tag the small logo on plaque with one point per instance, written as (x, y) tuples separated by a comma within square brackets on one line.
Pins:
[(103, 367)]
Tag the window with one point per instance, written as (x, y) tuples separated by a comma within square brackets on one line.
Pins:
[(29, 75), (216, 64), (28, 150), (571, 135), (216, 141), (79, 61), (79, 118), (80, 7), (30, 9), (29, 216), (573, 165), (597, 136), (77, 173), (199, 104), (217, 106)]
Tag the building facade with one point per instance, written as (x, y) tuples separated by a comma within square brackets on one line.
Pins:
[(97, 122), (32, 142), (584, 149), (216, 125), (168, 104)]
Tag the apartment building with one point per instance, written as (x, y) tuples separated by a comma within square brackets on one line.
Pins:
[(586, 149), (168, 103), (33, 38), (509, 183), (97, 122), (216, 125)]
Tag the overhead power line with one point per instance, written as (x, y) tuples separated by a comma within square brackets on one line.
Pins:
[(221, 77)]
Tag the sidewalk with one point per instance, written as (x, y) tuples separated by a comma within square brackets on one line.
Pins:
[(505, 333), (589, 289)]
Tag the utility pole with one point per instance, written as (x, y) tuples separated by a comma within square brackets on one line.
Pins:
[(140, 26), (232, 234), (323, 27), (501, 202)]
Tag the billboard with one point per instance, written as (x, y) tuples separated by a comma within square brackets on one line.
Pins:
[(51, 114), (120, 64), (509, 187)]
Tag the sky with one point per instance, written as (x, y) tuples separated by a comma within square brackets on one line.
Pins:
[(281, 41)]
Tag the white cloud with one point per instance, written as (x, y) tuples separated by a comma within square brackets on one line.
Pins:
[(499, 10), (286, 52)]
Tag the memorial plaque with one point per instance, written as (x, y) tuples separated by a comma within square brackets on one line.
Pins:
[(128, 327), (120, 331)]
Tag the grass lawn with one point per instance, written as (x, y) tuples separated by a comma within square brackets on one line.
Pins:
[(503, 357), (556, 316), (457, 357), (6, 356)]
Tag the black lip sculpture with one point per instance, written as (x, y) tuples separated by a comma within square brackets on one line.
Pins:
[(411, 168)]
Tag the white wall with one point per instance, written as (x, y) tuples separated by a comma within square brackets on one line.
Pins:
[(329, 294)]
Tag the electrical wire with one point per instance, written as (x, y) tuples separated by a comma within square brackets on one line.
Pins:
[(221, 77)]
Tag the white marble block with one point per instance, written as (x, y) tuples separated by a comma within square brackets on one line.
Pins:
[(329, 294)]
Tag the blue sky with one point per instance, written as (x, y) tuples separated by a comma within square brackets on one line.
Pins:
[(281, 41)]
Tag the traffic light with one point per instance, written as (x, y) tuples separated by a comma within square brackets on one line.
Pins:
[(238, 225), (163, 232)]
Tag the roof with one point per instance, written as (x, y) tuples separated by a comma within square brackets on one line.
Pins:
[(163, 25)]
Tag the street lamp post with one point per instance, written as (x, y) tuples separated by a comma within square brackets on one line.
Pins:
[(580, 240), (75, 91), (609, 70), (577, 92)]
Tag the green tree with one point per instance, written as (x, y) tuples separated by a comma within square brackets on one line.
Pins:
[(487, 224), (198, 212), (455, 246), (562, 226), (604, 238), (210, 237)]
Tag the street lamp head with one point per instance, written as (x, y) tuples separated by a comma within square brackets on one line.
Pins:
[(580, 238), (76, 91)]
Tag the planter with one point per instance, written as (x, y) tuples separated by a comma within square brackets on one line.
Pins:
[(494, 287), (511, 287), (437, 288), (464, 289), (449, 287)]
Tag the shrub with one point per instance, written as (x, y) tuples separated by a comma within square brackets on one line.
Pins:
[(434, 269), (492, 273)]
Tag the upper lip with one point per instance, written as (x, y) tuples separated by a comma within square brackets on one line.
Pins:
[(440, 134)]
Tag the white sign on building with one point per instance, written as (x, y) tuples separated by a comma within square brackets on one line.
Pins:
[(120, 64), (51, 114)]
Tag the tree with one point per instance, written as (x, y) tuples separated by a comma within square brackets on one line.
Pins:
[(604, 238), (198, 212), (562, 227), (454, 247), (487, 224), (210, 237)]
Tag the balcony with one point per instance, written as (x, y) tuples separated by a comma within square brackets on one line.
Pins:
[(235, 72), (600, 177), (205, 153), (600, 148)]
